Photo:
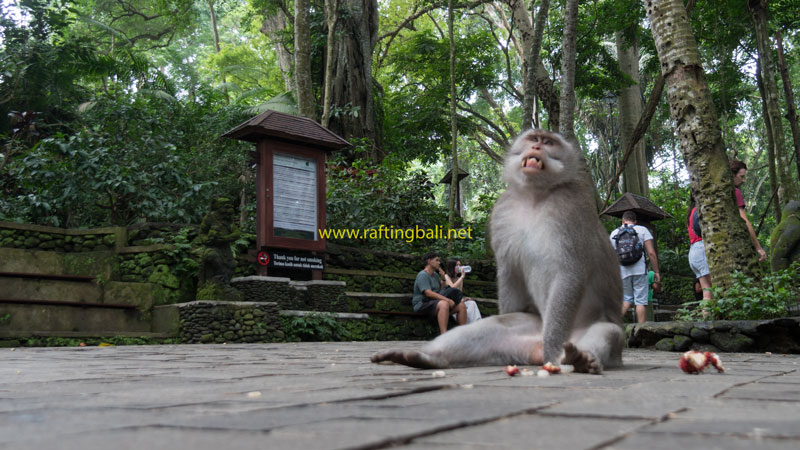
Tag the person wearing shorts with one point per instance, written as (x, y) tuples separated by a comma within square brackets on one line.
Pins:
[(428, 299), (635, 287), (697, 252)]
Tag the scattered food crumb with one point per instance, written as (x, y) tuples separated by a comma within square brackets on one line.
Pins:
[(768, 353), (542, 373), (526, 372), (467, 386), (567, 368), (438, 373), (254, 394), (82, 344)]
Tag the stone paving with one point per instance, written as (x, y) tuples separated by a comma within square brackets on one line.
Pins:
[(329, 396)]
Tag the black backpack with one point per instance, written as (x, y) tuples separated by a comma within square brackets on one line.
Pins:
[(696, 223), (629, 248)]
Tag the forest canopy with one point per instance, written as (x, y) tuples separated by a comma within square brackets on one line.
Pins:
[(111, 111)]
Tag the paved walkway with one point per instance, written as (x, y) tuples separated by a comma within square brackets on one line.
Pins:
[(328, 396)]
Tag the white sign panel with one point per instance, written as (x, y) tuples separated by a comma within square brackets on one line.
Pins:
[(294, 188)]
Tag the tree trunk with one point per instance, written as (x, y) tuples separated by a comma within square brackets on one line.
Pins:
[(791, 111), (788, 189), (304, 93), (630, 110), (453, 129), (532, 59), (352, 91), (773, 172), (216, 44), (545, 90), (728, 245), (568, 56), (331, 17), (272, 27)]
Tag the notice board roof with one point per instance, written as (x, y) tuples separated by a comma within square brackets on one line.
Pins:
[(286, 126), (642, 206)]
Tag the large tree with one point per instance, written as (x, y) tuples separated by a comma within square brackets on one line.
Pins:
[(728, 246), (630, 110), (302, 59), (788, 187)]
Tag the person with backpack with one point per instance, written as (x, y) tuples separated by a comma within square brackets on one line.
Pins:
[(631, 241)]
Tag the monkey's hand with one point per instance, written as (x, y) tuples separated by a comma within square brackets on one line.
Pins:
[(411, 358), (584, 362)]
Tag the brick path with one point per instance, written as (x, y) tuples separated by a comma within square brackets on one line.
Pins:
[(328, 396)]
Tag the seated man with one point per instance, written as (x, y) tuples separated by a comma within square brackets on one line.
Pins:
[(429, 300)]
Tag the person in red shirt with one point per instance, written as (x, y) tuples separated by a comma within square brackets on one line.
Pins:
[(697, 251), (739, 170)]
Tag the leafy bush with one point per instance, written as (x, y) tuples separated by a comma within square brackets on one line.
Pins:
[(313, 327), (749, 299), (130, 160)]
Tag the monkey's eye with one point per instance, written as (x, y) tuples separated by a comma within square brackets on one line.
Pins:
[(547, 141)]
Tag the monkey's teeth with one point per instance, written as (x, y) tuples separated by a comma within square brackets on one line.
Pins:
[(536, 162)]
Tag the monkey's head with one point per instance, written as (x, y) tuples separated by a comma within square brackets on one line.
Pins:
[(540, 158)]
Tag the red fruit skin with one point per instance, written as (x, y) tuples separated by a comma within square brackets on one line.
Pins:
[(686, 366), (550, 367), (512, 370)]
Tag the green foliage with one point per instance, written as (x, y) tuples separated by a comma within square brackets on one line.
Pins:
[(209, 291), (182, 252), (5, 318), (135, 159), (417, 121), (750, 299), (54, 341), (363, 196), (313, 327)]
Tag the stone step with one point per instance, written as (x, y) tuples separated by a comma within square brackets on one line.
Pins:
[(402, 302), (95, 264), (21, 318), (85, 334), (12, 287), (363, 327)]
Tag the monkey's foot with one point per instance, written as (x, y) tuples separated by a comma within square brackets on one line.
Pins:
[(584, 362), (411, 359)]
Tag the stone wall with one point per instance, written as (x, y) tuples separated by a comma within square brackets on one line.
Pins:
[(38, 237), (318, 295), (217, 322), (143, 254), (777, 335)]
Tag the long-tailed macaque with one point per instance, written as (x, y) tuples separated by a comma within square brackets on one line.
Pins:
[(558, 278)]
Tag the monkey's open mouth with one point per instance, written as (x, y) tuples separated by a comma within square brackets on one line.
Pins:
[(532, 162)]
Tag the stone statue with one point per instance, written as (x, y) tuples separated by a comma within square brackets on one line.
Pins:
[(217, 263), (784, 243)]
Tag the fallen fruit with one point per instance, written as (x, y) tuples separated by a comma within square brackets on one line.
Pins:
[(512, 370), (695, 362), (551, 368)]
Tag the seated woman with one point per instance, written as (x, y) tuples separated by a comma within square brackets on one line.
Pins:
[(454, 278)]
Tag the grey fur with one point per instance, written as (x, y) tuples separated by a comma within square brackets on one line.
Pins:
[(558, 276)]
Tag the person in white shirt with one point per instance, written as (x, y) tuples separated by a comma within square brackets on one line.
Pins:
[(634, 275)]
